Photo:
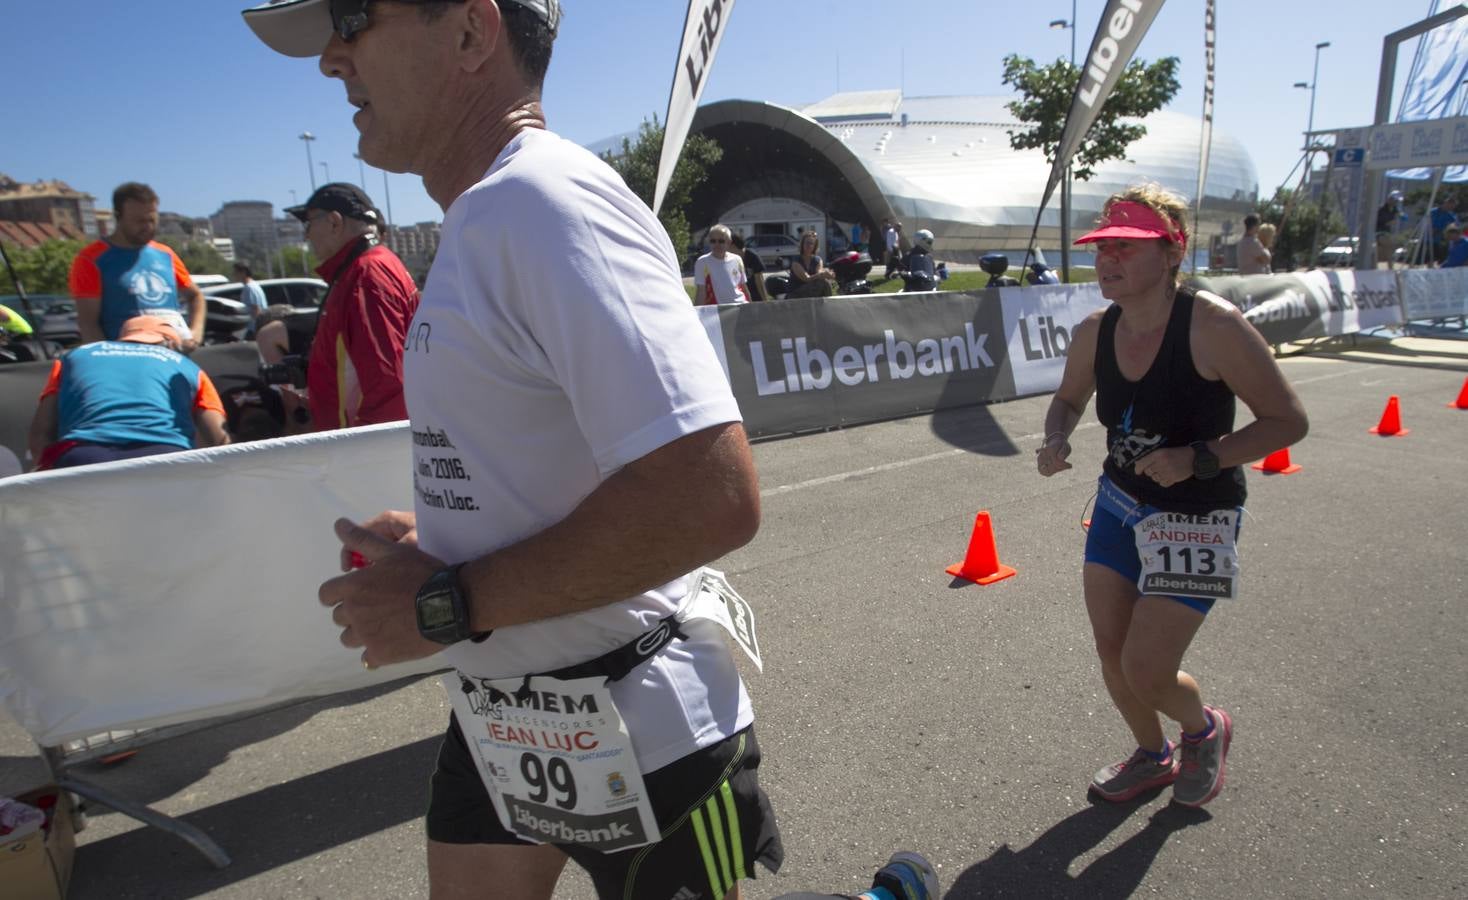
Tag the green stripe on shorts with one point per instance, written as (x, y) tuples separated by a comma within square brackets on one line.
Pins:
[(718, 888)]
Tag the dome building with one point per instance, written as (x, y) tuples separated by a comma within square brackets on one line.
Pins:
[(941, 163)]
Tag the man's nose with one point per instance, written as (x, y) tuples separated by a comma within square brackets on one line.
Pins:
[(336, 58)]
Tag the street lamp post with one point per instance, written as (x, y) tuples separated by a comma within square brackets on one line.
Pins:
[(361, 171), (308, 137), (326, 171), (1314, 79), (1065, 182), (1310, 150), (387, 197)]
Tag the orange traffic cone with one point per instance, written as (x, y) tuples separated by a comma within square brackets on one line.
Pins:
[(1277, 463), (1391, 420), (981, 563), (1462, 401)]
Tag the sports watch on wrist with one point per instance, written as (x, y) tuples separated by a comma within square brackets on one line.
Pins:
[(442, 609), (1205, 461)]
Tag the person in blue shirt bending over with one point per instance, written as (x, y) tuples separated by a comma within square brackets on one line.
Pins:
[(123, 399)]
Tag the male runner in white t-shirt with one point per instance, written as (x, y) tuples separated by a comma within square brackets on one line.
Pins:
[(718, 276), (577, 456)]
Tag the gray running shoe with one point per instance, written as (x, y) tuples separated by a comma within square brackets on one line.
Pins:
[(909, 876), (1138, 774), (1201, 776)]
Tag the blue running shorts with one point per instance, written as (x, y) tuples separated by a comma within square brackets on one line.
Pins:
[(1111, 542)]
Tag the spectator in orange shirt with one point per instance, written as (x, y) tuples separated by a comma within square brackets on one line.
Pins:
[(129, 274)]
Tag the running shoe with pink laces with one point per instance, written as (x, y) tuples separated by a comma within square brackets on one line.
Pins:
[(1200, 777), (1135, 775)]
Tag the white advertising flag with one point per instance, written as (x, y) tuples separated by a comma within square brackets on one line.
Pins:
[(1122, 27), (702, 31)]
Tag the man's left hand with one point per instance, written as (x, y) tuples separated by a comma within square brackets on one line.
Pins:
[(375, 605), (1167, 465)]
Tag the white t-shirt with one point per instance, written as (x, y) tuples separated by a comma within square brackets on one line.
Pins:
[(719, 280), (555, 344)]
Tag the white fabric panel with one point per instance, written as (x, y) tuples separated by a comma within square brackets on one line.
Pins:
[(1434, 293), (166, 590)]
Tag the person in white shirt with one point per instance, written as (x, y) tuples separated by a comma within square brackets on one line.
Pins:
[(892, 238), (718, 276), (578, 456)]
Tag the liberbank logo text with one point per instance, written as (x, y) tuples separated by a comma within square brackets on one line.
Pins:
[(797, 367)]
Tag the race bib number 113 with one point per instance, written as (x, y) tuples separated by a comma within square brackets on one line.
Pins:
[(1185, 555)]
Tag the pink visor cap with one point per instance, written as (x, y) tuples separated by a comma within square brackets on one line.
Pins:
[(1138, 221)]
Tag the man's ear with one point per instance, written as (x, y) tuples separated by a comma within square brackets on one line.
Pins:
[(480, 30)]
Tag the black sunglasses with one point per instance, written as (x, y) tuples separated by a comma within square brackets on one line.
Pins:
[(349, 17)]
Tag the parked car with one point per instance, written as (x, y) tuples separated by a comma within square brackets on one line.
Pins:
[(1339, 253), (227, 316), (53, 316), (774, 250)]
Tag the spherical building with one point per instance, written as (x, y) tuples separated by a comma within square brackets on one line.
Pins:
[(941, 163)]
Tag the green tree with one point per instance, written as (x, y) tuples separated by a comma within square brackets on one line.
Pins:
[(299, 261), (1046, 96), (1295, 215), (638, 166), (42, 269), (199, 257)]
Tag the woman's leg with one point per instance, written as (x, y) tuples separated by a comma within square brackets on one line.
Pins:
[(1161, 631), (1111, 602)]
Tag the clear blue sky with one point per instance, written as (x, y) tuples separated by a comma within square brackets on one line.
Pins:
[(180, 94)]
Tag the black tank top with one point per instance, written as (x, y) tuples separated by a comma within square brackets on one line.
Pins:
[(1171, 406)]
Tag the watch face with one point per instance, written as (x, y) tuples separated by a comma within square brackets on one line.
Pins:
[(435, 610)]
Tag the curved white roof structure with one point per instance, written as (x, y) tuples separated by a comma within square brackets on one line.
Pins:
[(944, 163)]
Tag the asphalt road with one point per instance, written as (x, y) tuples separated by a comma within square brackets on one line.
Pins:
[(900, 709)]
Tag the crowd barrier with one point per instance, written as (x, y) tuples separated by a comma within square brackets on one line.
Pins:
[(139, 599), (145, 596)]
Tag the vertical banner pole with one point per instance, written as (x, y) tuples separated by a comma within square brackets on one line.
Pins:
[(1205, 143), (1123, 24)]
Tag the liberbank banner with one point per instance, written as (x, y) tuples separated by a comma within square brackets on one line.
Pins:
[(810, 364), (1314, 304)]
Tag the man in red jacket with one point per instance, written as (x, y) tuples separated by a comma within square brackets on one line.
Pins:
[(354, 374)]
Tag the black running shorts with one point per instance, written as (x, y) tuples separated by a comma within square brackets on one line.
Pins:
[(716, 822)]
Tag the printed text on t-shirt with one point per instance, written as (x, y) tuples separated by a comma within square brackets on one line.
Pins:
[(437, 468)]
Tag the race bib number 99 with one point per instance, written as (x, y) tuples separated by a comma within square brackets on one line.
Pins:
[(556, 758), (1185, 555)]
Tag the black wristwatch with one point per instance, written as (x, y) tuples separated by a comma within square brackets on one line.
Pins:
[(443, 611), (1205, 461)]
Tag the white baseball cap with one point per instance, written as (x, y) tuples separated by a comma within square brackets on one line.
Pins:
[(303, 27)]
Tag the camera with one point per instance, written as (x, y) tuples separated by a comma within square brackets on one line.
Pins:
[(290, 370)]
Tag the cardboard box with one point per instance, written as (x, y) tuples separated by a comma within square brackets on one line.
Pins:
[(38, 866)]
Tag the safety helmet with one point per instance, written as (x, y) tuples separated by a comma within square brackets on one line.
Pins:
[(925, 237)]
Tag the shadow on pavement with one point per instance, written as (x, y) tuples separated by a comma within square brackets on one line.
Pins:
[(263, 830), (1040, 870), (166, 768), (974, 429)]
